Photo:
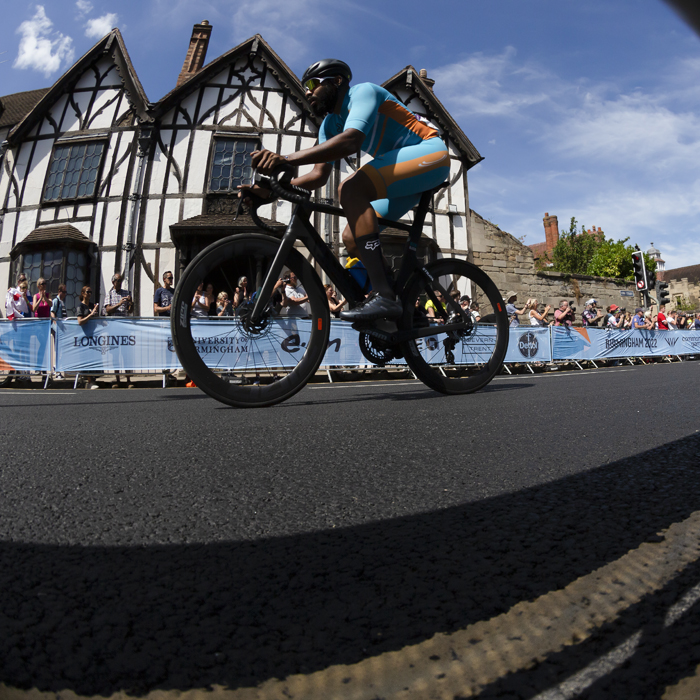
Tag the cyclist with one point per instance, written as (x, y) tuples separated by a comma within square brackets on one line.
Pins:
[(408, 159)]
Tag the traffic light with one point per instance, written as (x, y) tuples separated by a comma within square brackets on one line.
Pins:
[(651, 279), (662, 296), (640, 271)]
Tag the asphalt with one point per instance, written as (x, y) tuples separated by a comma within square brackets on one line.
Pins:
[(154, 539)]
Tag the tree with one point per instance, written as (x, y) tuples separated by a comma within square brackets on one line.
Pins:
[(593, 254), (574, 251)]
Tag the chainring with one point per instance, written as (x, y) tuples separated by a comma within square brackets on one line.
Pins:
[(376, 351)]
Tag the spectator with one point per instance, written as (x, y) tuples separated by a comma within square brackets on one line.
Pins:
[(118, 302), (612, 320), (564, 316), (200, 305), (638, 322), (537, 319), (41, 306), (592, 314), (649, 320), (296, 297), (211, 300), (430, 307), (30, 299), (696, 323), (333, 304), (661, 318), (420, 317), (476, 314), (58, 307), (85, 313), (163, 299), (512, 311), (672, 320), (464, 302), (223, 305), (16, 306), (242, 293), (626, 321)]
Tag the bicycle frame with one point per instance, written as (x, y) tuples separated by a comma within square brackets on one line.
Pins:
[(301, 229)]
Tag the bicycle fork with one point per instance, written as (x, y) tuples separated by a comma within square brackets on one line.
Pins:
[(289, 238)]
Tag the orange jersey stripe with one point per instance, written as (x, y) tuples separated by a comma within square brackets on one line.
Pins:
[(397, 112), (376, 178), (398, 171)]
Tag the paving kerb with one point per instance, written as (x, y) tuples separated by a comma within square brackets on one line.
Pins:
[(461, 664)]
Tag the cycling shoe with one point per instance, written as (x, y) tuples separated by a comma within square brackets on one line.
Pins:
[(372, 308)]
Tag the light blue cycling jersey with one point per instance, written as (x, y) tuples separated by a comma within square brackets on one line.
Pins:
[(386, 123)]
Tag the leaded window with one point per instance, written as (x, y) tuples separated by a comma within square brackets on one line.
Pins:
[(73, 171), (57, 266), (232, 164)]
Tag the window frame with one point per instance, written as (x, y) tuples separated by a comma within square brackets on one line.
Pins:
[(74, 142), (254, 137), (65, 248)]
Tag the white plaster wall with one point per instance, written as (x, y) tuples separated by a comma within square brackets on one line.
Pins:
[(171, 213), (87, 79), (106, 119), (192, 207), (189, 104), (197, 176), (112, 223), (8, 227), (209, 98), (179, 152), (27, 221), (150, 230), (71, 122), (37, 173), (158, 169)]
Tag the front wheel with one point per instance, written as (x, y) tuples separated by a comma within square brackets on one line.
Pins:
[(463, 360), (239, 360)]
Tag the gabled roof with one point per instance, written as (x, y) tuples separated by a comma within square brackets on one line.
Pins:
[(256, 45), (410, 78), (691, 272), (14, 108), (111, 44)]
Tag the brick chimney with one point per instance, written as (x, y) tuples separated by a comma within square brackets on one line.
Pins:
[(551, 231), (197, 51), (424, 77)]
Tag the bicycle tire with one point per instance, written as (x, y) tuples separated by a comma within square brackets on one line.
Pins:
[(296, 363), (481, 348)]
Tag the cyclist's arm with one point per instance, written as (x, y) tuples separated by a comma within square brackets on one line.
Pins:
[(318, 177), (346, 143)]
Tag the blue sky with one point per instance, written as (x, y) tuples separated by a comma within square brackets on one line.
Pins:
[(586, 109)]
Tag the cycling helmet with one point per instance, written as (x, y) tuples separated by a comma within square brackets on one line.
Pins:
[(327, 68)]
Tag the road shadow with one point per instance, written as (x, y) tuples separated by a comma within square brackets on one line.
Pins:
[(101, 619)]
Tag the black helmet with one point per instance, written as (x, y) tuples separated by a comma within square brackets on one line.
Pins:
[(327, 68)]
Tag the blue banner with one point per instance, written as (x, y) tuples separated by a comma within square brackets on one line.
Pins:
[(529, 344), (598, 343), (25, 346)]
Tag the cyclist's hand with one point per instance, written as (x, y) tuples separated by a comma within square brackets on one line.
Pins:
[(260, 192), (266, 161)]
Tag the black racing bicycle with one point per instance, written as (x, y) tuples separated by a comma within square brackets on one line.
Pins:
[(272, 348)]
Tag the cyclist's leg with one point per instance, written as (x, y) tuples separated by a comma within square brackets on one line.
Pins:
[(356, 196)]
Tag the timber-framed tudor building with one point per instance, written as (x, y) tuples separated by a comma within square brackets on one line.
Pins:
[(95, 179)]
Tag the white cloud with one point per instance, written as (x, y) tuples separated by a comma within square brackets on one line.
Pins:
[(284, 25), (84, 7), (98, 27), (625, 157), (491, 85), (40, 47)]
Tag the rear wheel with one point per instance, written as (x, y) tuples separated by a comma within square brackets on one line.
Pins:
[(242, 362), (466, 359)]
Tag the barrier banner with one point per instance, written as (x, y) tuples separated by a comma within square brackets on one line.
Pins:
[(105, 345), (529, 344), (598, 343), (25, 346)]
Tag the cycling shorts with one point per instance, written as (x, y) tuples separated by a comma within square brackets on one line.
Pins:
[(400, 177)]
